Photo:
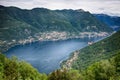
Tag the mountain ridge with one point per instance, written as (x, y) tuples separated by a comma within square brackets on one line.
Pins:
[(20, 26), (111, 21)]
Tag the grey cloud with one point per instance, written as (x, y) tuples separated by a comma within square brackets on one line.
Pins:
[(94, 6), (16, 0)]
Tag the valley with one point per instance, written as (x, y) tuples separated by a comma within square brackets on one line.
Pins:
[(19, 26), (67, 44), (46, 56)]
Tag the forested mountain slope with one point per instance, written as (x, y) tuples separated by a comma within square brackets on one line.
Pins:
[(19, 26), (97, 51), (112, 21)]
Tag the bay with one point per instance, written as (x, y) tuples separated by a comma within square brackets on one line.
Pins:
[(46, 56)]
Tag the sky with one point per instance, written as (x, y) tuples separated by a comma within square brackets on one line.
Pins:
[(111, 7)]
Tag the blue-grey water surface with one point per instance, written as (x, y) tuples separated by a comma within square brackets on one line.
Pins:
[(47, 55)]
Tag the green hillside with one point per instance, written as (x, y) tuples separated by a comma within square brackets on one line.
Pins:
[(19, 26), (47, 20), (98, 51), (12, 69)]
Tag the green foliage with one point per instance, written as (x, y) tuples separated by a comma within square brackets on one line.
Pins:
[(98, 51), (14, 20), (18, 24), (1, 71), (2, 61), (104, 70), (28, 72), (75, 75), (117, 63), (12, 69), (59, 75), (65, 75), (108, 69)]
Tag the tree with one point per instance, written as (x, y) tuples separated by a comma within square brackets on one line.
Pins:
[(11, 69), (27, 72), (59, 75), (117, 62), (1, 71), (102, 70), (2, 60)]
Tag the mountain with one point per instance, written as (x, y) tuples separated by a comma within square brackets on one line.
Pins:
[(112, 21), (101, 50), (20, 26)]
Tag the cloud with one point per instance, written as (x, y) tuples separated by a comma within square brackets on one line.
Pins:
[(16, 0), (94, 6)]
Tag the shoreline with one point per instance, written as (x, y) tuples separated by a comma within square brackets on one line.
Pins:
[(34, 41), (49, 36), (73, 56), (68, 62)]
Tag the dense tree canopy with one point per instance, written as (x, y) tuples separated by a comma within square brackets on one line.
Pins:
[(12, 69)]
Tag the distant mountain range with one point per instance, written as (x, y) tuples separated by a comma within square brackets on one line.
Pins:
[(112, 21), (20, 26)]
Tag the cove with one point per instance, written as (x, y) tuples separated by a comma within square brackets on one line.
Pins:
[(46, 56)]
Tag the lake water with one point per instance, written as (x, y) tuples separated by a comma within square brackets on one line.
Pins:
[(47, 55)]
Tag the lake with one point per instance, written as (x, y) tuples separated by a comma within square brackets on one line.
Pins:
[(47, 55)]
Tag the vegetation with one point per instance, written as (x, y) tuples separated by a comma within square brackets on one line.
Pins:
[(19, 25), (51, 20), (98, 51), (105, 69), (112, 21), (100, 61), (99, 64), (12, 69), (108, 69)]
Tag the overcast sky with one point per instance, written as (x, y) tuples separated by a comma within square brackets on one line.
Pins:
[(111, 7)]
